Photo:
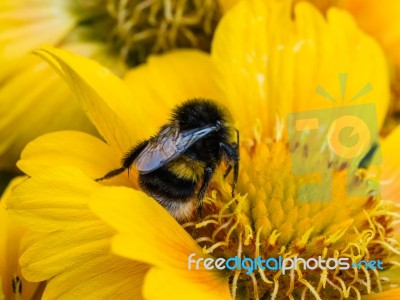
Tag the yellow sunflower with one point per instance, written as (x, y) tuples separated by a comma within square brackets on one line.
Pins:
[(119, 34), (110, 240)]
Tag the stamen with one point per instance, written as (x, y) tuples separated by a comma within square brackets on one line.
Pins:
[(16, 284), (263, 277), (322, 280), (357, 292), (189, 224), (378, 281), (248, 233), (237, 272), (336, 287), (395, 263), (224, 208), (344, 291), (205, 223), (203, 239), (363, 282), (239, 251), (386, 245), (351, 275), (368, 278), (276, 289), (234, 284), (274, 236), (291, 285), (220, 228), (255, 286), (230, 232), (303, 294), (215, 246), (311, 288)]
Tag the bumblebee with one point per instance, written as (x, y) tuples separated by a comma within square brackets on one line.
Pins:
[(177, 164)]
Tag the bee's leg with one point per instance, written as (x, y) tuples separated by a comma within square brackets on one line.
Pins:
[(237, 138), (235, 176), (133, 154), (228, 170), (230, 157), (111, 174), (208, 173), (126, 162), (232, 152), (236, 163)]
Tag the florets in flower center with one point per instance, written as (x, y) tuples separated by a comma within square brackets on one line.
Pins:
[(267, 220), (135, 28)]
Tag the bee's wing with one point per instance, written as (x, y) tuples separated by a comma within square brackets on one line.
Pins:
[(168, 145)]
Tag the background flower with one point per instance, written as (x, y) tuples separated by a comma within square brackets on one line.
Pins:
[(12, 284), (380, 20), (119, 34)]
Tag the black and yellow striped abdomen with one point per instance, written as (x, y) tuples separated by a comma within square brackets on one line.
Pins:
[(187, 168)]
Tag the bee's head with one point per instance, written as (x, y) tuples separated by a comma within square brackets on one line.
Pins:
[(198, 113)]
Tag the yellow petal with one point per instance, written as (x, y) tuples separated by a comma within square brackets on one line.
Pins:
[(270, 63), (103, 277), (227, 4), (112, 108), (159, 283), (380, 19), (390, 180), (31, 106), (388, 295), (48, 254), (71, 148), (148, 233), (53, 200), (11, 233), (27, 24), (79, 262), (70, 246), (172, 78)]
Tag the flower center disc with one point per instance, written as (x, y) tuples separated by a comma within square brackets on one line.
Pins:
[(137, 28), (266, 219)]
